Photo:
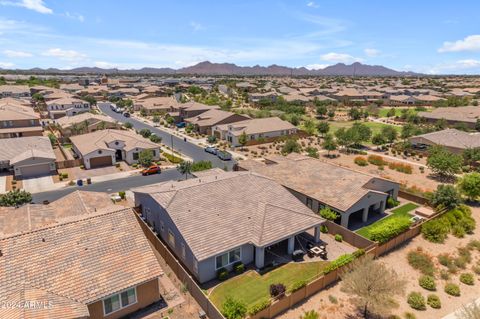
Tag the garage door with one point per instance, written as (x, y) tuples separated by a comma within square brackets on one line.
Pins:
[(100, 161), (35, 170)]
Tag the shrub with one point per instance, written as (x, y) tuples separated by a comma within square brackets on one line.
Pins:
[(435, 230), (389, 228), (391, 202), (467, 279), (234, 309), (339, 237), (427, 282), (333, 299), (474, 244), (376, 160), (277, 290), (400, 167), (155, 138), (172, 158), (222, 274), (121, 194), (445, 275), (15, 198), (421, 261), (259, 306), (452, 289), (239, 267), (360, 161), (329, 214), (339, 262), (476, 269), (201, 166), (434, 302), (324, 229), (445, 259), (409, 315), (312, 314), (298, 285), (416, 301), (145, 132)]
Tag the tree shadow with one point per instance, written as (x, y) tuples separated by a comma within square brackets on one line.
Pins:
[(445, 179)]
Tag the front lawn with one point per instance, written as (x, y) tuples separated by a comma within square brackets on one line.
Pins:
[(402, 212), (251, 287)]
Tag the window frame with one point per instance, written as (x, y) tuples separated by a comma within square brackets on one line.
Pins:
[(228, 258), (119, 294)]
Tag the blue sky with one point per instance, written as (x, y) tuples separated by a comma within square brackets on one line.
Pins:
[(424, 36)]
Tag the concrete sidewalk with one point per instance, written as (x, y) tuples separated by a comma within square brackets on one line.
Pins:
[(457, 314)]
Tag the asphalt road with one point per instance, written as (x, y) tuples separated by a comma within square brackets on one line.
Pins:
[(112, 186), (191, 150)]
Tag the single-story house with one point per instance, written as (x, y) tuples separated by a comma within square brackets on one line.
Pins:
[(71, 261), (191, 109), (258, 96), (454, 140), (318, 185), (159, 104), (31, 156), (223, 218), (402, 100), (85, 122), (468, 115), (261, 128), (106, 147), (204, 122)]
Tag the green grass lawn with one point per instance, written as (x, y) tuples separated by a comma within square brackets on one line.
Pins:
[(67, 146), (383, 111), (398, 213), (251, 287)]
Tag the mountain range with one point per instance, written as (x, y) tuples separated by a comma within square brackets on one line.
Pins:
[(209, 68)]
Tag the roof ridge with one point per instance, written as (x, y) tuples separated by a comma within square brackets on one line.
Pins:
[(294, 211), (80, 218)]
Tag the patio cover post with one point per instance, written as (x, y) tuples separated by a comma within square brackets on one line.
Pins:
[(365, 214), (291, 245), (317, 234), (259, 257), (382, 206)]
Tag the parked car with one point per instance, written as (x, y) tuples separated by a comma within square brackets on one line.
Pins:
[(224, 156), (154, 169), (181, 125), (211, 150), (126, 114)]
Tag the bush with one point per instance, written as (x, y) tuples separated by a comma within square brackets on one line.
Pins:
[(360, 161), (338, 237), (416, 301), (376, 160), (339, 262), (421, 261), (452, 289), (259, 306), (234, 309), (277, 290), (409, 315), (427, 282), (201, 166), (435, 230), (222, 274), (389, 228), (459, 218), (172, 158), (121, 194), (145, 132), (324, 229), (239, 267), (445, 259), (155, 139), (333, 299), (391, 202), (329, 214), (434, 302), (298, 285), (15, 198), (400, 167), (467, 279)]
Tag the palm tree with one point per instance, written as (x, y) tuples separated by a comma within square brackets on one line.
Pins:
[(185, 167)]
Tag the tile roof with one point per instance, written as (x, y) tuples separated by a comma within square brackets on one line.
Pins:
[(452, 138), (468, 114), (258, 125), (20, 148), (11, 110), (210, 117), (335, 186), (223, 210), (97, 140), (80, 261), (68, 121)]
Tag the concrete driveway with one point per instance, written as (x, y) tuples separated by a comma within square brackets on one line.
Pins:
[(3, 184), (38, 184)]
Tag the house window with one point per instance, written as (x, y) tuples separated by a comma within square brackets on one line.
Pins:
[(135, 156), (228, 258), (171, 238), (119, 301), (154, 153), (309, 202), (184, 252)]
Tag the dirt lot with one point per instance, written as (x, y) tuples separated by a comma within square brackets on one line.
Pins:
[(398, 260)]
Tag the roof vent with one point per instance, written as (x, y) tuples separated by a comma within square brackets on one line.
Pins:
[(43, 240), (1, 253)]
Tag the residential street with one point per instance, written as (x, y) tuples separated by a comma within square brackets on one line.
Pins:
[(191, 150), (112, 186)]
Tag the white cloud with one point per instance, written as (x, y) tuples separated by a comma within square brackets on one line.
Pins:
[(67, 55), (312, 4), (35, 5), (470, 43), (74, 16), (371, 52), (339, 57), (316, 66), (105, 65), (17, 54), (6, 65), (196, 26), (457, 67)]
